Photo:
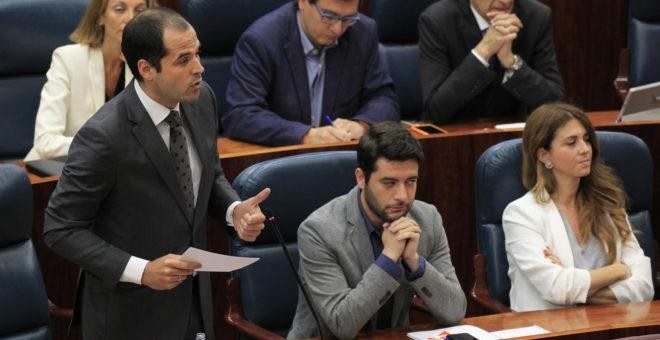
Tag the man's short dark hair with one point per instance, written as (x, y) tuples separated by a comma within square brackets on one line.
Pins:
[(295, 2), (143, 37), (387, 140)]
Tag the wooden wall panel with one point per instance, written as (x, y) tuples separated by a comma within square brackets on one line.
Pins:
[(588, 37)]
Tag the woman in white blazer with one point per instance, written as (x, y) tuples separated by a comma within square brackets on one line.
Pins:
[(83, 76), (568, 240)]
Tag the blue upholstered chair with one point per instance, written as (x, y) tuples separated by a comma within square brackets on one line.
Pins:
[(499, 182), (263, 296), (219, 25), (24, 310), (29, 32), (644, 41), (398, 36), (638, 64)]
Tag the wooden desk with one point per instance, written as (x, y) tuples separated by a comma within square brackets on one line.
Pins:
[(589, 322), (446, 180)]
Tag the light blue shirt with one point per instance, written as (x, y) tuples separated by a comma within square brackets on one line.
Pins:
[(315, 61), (589, 256)]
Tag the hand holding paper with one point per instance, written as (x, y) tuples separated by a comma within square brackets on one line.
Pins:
[(212, 262)]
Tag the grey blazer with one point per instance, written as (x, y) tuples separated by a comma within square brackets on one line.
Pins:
[(347, 287), (118, 196)]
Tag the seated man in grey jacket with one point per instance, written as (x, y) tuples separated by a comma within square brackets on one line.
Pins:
[(363, 255)]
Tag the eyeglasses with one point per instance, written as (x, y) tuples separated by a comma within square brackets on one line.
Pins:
[(331, 18)]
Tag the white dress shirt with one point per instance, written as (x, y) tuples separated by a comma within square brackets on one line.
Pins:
[(158, 113)]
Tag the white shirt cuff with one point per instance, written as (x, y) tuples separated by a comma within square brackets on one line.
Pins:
[(230, 213), (507, 75), (134, 270), (484, 62)]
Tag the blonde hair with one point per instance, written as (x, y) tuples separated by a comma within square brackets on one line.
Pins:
[(88, 31), (600, 198)]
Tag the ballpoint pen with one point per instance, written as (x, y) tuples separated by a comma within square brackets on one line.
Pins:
[(327, 120)]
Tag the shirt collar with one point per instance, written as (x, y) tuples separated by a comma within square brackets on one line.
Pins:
[(481, 22), (157, 112), (308, 46)]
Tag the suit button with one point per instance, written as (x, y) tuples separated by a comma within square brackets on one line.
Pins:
[(427, 292)]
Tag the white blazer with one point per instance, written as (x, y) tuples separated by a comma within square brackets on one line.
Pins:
[(536, 283), (74, 91)]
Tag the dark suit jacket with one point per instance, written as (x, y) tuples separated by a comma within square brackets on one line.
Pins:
[(457, 86), (268, 93), (118, 196)]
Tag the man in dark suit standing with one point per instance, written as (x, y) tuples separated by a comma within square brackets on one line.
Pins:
[(308, 72), (487, 58), (141, 176)]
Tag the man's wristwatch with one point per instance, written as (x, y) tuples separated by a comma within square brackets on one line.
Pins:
[(517, 64)]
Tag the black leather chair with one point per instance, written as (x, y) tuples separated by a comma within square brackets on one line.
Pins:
[(398, 36), (29, 32), (499, 182), (24, 312), (219, 25), (638, 63), (263, 296)]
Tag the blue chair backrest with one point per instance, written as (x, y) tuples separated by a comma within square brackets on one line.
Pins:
[(29, 32), (398, 36), (644, 41), (219, 25), (499, 182), (300, 185), (24, 306)]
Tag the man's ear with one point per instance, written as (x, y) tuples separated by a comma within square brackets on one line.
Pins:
[(359, 177), (146, 70)]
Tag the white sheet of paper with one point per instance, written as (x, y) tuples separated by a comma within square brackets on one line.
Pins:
[(519, 332), (443, 332), (510, 126), (212, 262)]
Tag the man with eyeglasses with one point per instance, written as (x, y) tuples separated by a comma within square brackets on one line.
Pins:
[(487, 58), (308, 72)]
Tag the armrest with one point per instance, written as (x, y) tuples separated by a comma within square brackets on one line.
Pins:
[(59, 312), (479, 291), (234, 315), (621, 84)]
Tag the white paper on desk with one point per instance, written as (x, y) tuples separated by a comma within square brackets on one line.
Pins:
[(439, 334), (212, 262), (520, 332), (510, 126)]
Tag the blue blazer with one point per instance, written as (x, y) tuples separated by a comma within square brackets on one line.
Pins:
[(268, 92)]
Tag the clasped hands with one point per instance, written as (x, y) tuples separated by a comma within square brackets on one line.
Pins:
[(503, 30), (341, 130), (169, 271), (400, 240)]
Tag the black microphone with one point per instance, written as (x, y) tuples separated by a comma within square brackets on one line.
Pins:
[(272, 220)]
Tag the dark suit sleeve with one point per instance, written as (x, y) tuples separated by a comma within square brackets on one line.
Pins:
[(445, 90), (222, 193), (539, 80), (379, 103), (249, 117), (88, 176)]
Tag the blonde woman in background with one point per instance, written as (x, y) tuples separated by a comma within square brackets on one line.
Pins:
[(568, 240), (83, 76)]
